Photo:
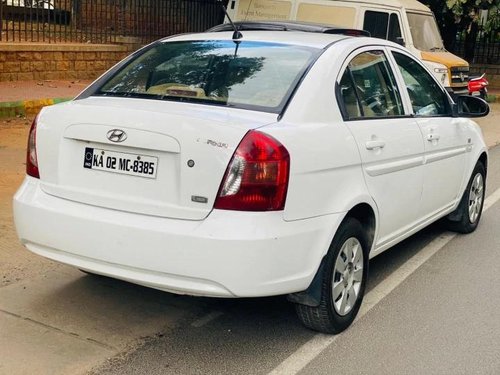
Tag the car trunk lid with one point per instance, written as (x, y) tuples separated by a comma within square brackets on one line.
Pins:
[(188, 145)]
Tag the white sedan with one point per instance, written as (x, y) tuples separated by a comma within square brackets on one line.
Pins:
[(272, 162)]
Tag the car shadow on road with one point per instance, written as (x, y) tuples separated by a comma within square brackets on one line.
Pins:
[(228, 334)]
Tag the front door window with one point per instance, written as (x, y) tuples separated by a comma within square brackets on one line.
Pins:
[(427, 97)]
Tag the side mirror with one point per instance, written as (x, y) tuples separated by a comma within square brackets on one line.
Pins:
[(401, 41), (470, 106)]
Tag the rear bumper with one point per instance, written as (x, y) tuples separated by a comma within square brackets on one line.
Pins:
[(229, 254)]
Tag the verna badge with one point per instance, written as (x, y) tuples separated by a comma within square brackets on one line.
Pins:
[(116, 135)]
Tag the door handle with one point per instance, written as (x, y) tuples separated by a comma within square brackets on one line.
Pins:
[(372, 145), (433, 137)]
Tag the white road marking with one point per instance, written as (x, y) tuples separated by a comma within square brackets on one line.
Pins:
[(312, 348), (491, 199), (206, 319)]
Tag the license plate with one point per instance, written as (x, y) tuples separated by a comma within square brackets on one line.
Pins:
[(120, 162)]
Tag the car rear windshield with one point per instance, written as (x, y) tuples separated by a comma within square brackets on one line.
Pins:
[(244, 74)]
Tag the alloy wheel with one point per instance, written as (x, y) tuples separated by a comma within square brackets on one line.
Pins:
[(347, 276), (476, 196)]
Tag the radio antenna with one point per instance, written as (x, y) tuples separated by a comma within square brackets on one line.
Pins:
[(237, 34)]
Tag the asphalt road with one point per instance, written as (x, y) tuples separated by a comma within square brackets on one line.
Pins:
[(443, 318)]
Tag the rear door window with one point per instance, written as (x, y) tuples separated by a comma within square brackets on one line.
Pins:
[(368, 88)]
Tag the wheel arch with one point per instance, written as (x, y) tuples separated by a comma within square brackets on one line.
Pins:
[(458, 220), (480, 156), (366, 214), (483, 158)]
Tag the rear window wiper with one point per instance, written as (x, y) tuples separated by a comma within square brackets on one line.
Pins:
[(182, 99), (186, 99), (116, 93)]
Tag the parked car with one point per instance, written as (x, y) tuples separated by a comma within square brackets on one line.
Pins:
[(268, 163), (40, 4)]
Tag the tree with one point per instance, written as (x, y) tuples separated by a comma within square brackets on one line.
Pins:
[(455, 16)]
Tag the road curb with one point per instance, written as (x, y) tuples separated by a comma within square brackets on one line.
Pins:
[(27, 107)]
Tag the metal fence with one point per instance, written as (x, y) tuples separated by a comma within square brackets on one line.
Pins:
[(483, 50), (103, 21), (478, 45)]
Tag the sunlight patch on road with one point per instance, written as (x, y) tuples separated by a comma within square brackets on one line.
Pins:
[(319, 342)]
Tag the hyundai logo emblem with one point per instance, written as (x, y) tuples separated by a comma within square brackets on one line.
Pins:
[(116, 135)]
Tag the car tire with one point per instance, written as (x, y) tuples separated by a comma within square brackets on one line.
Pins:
[(465, 218), (343, 278)]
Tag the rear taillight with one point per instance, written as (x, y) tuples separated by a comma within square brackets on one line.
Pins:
[(257, 176), (31, 159)]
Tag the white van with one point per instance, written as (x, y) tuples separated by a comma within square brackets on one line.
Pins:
[(407, 22)]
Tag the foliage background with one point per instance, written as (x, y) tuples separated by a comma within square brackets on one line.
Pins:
[(459, 21)]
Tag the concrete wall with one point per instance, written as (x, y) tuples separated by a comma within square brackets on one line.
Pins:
[(33, 61), (492, 73)]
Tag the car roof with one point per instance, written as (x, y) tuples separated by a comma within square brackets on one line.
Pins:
[(299, 38), (294, 33)]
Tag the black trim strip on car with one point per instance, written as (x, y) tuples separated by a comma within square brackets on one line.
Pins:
[(379, 118)]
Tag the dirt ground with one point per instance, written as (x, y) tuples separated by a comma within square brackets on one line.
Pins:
[(62, 320), (16, 263), (23, 90)]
